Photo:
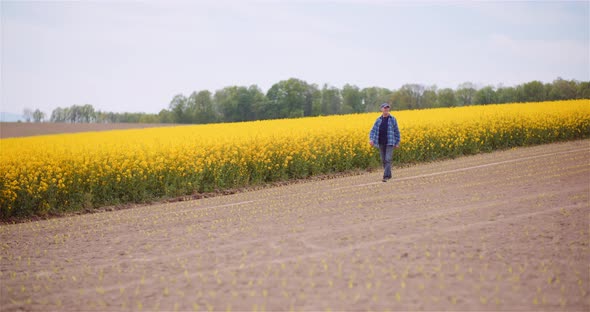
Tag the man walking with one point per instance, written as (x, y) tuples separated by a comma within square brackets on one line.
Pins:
[(385, 135)]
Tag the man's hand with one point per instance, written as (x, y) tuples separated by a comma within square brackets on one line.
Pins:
[(396, 146), (371, 143)]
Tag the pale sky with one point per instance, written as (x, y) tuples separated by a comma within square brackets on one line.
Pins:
[(135, 56)]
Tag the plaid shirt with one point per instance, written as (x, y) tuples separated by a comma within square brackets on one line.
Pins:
[(393, 135)]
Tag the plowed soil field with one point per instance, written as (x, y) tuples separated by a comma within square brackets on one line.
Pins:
[(507, 230), (24, 129)]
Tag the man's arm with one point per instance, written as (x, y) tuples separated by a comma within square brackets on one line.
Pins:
[(396, 134)]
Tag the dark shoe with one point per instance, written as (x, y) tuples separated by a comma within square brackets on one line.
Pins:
[(384, 180)]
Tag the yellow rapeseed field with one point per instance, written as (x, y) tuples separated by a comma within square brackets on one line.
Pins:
[(55, 173)]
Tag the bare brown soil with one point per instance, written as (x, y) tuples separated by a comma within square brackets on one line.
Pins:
[(16, 129), (502, 231)]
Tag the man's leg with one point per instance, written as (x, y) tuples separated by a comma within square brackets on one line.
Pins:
[(387, 162), (383, 154)]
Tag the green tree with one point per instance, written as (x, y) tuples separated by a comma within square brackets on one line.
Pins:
[(179, 108), (312, 100), (316, 100), (252, 102), (202, 107), (331, 100), (534, 91), (38, 116), (289, 98), (506, 95), (28, 114), (226, 100), (485, 95), (430, 97), (562, 90), (149, 118), (240, 103), (87, 114), (446, 98), (74, 114), (465, 93), (165, 116), (373, 97), (402, 99), (58, 115), (583, 91), (413, 94), (519, 95), (352, 100)]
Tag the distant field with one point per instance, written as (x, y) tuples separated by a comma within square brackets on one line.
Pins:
[(15, 129)]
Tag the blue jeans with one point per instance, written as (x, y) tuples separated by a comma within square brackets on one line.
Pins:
[(386, 152)]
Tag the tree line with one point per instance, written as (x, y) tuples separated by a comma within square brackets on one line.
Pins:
[(294, 98)]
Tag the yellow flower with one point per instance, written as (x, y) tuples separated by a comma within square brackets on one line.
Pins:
[(68, 170)]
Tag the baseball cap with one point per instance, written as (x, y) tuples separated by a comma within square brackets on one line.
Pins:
[(384, 105)]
